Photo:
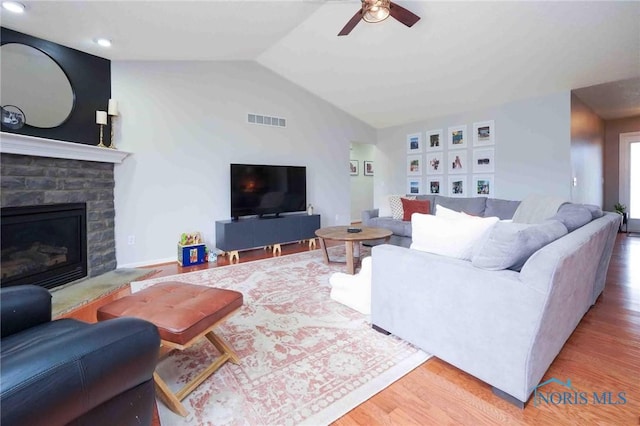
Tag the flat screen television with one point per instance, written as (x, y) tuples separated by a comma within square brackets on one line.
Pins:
[(267, 191)]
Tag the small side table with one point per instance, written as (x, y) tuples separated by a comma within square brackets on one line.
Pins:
[(624, 222)]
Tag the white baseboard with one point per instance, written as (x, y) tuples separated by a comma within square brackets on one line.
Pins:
[(147, 263)]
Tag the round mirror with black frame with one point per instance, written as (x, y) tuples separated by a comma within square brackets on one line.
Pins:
[(84, 82), (36, 84)]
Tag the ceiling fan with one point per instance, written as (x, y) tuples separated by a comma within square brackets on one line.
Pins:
[(377, 11)]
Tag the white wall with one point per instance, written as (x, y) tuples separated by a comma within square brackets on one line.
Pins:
[(532, 148), (361, 185), (185, 122), (587, 154)]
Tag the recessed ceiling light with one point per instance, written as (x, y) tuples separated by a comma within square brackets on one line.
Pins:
[(104, 42), (13, 6)]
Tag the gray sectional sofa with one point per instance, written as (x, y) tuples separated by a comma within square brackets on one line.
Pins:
[(504, 327), (477, 206)]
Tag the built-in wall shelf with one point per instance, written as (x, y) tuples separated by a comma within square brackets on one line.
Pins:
[(11, 143)]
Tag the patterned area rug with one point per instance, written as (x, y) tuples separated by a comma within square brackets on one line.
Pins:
[(305, 359)]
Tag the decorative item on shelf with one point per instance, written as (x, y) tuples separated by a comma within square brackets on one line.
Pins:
[(112, 110), (12, 117), (310, 210), (101, 120)]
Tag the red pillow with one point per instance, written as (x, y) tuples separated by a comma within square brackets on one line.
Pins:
[(414, 206)]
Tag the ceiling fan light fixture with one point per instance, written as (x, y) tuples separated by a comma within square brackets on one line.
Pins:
[(375, 10)]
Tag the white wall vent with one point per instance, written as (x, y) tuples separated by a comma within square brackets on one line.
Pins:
[(266, 120)]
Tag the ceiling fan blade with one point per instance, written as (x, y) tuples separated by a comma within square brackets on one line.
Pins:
[(403, 15), (351, 24)]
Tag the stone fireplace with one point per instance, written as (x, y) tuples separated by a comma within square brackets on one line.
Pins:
[(32, 175)]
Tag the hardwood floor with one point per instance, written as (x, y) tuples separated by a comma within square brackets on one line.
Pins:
[(602, 355)]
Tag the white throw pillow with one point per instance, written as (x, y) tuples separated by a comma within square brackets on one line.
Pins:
[(449, 237), (385, 209), (397, 211), (450, 214)]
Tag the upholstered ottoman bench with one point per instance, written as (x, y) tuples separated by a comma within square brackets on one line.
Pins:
[(183, 313)]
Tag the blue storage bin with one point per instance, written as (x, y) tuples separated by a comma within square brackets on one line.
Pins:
[(191, 255)]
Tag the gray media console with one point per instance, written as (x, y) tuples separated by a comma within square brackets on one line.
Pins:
[(254, 232)]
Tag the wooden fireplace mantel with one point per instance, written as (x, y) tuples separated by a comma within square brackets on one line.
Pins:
[(11, 143)]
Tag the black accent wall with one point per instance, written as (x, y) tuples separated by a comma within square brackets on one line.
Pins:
[(90, 78)]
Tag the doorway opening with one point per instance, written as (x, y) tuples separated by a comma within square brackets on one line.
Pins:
[(630, 178)]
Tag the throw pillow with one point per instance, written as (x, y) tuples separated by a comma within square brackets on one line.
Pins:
[(385, 208), (509, 245), (397, 211), (410, 207), (573, 216), (448, 213), (448, 237)]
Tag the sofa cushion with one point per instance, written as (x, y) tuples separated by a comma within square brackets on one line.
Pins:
[(448, 237), (573, 216), (432, 201), (596, 211), (410, 207), (509, 245), (504, 209), (396, 205), (398, 227), (474, 206)]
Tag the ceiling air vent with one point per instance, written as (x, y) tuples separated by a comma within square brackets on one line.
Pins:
[(266, 120)]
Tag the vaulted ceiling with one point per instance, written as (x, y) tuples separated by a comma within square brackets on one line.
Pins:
[(460, 56)]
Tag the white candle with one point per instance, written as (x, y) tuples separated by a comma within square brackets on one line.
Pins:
[(113, 107), (101, 117)]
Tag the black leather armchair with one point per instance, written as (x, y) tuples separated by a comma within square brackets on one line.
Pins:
[(71, 372)]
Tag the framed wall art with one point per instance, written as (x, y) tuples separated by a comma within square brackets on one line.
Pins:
[(434, 140), (414, 186), (368, 168), (414, 165), (434, 163), (414, 143), (457, 137), (483, 186), (458, 186), (483, 133), (434, 185), (353, 167), (484, 160), (457, 161)]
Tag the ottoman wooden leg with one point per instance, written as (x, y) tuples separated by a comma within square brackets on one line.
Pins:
[(173, 400), (222, 346), (168, 397)]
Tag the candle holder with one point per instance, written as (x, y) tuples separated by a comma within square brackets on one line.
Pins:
[(101, 145), (112, 111), (101, 120), (112, 144)]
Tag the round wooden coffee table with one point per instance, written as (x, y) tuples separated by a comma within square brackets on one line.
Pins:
[(351, 240)]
